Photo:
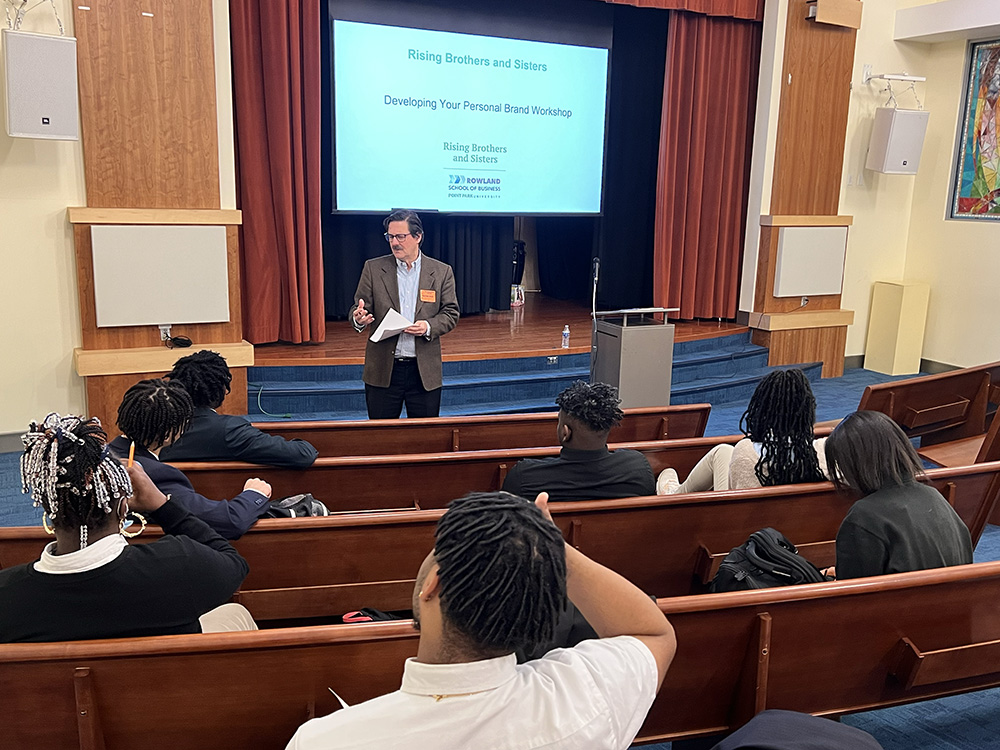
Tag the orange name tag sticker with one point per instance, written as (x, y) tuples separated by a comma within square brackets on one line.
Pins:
[(428, 295)]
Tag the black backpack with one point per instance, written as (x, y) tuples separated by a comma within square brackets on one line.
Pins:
[(296, 506), (765, 560)]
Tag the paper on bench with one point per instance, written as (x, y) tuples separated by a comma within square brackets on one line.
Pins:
[(391, 324)]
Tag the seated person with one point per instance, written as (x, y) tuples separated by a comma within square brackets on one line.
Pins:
[(225, 437), (90, 583), (494, 583), (153, 413), (899, 524), (584, 469), (780, 446)]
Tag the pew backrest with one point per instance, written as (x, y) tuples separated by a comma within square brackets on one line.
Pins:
[(425, 480), (825, 649), (937, 408), (301, 569), (481, 432), (829, 648)]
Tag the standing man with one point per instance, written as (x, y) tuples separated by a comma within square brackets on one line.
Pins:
[(405, 368)]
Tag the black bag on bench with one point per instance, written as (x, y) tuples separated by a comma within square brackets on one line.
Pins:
[(765, 560)]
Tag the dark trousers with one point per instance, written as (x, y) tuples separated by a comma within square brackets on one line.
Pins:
[(405, 387)]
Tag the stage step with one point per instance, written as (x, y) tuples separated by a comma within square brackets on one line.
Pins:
[(708, 370), (734, 357), (498, 386), (725, 388)]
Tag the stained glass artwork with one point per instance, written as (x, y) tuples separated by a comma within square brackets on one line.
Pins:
[(977, 185)]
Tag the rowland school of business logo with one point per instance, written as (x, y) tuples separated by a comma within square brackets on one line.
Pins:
[(473, 187)]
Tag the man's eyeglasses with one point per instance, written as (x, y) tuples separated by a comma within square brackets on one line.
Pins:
[(397, 237)]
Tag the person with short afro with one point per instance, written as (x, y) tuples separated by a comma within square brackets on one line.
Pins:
[(225, 437), (585, 469)]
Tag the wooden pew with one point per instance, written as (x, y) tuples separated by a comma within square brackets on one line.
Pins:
[(668, 546), (825, 649), (425, 480), (828, 649), (482, 432), (976, 449), (937, 408)]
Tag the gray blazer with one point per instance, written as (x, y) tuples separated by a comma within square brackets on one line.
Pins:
[(380, 291)]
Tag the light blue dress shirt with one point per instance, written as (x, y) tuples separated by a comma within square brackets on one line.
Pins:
[(408, 281)]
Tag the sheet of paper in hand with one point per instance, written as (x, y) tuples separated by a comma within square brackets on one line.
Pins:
[(391, 324)]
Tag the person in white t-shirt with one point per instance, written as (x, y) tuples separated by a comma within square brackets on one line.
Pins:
[(496, 581)]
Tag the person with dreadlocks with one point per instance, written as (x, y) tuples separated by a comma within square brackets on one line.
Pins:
[(90, 583), (779, 447), (584, 469), (494, 583), (898, 524), (225, 437), (152, 414)]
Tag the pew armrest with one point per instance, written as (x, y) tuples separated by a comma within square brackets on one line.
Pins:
[(915, 668)]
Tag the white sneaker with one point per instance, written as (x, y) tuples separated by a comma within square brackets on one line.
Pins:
[(667, 483)]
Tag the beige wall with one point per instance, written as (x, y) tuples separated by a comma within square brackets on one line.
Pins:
[(900, 230), (39, 310), (960, 259), (39, 313), (881, 204)]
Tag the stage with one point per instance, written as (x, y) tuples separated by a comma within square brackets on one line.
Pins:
[(534, 330)]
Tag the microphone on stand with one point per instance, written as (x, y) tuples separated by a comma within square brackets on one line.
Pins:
[(593, 319)]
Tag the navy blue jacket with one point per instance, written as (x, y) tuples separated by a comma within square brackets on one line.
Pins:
[(225, 437), (230, 518)]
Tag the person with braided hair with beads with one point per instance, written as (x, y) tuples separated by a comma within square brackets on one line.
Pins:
[(225, 437), (90, 582), (584, 469), (495, 583), (152, 414), (780, 446)]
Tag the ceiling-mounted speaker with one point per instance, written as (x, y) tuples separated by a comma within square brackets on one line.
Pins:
[(40, 86), (897, 140)]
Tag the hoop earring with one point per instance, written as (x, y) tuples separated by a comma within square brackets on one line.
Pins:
[(132, 534), (47, 525)]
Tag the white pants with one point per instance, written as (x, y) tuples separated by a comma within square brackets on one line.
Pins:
[(711, 472), (227, 618)]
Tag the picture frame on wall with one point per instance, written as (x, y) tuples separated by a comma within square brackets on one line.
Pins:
[(976, 188)]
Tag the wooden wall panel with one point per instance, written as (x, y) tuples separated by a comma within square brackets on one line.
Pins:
[(764, 299), (812, 118), (134, 336), (824, 345), (104, 394), (147, 103)]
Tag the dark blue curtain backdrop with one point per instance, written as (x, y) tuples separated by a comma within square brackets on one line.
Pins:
[(623, 237)]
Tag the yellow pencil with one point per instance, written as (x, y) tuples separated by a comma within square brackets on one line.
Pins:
[(131, 455)]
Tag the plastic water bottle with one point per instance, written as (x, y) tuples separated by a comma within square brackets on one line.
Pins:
[(565, 337)]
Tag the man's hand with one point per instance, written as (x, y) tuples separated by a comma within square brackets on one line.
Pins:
[(363, 317), (420, 328), (146, 497), (259, 485), (542, 501)]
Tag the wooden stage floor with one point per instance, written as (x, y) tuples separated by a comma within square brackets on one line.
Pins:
[(534, 330)]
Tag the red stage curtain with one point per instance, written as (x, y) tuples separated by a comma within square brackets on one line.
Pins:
[(710, 89), (276, 85), (749, 10)]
